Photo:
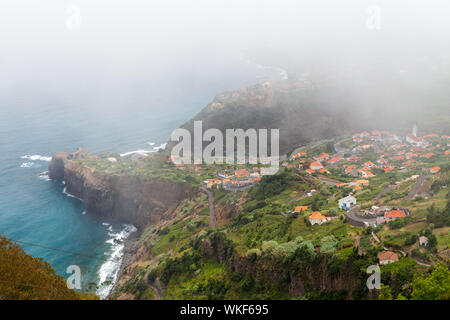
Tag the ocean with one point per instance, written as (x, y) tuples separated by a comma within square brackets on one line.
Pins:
[(36, 211)]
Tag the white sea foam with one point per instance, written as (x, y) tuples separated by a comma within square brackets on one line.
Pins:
[(151, 143), (110, 269), (70, 195), (27, 165), (36, 158), (140, 152), (44, 176), (160, 147), (145, 152)]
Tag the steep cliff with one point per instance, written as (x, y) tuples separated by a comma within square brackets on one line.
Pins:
[(137, 199)]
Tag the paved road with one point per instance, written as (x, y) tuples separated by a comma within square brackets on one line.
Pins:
[(339, 149), (328, 181), (416, 188), (358, 221), (212, 213)]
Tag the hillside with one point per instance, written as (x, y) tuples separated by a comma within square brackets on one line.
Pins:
[(264, 246), (23, 277)]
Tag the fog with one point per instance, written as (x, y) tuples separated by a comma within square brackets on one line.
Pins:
[(119, 49)]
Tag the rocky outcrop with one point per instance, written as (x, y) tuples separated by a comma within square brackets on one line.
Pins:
[(138, 200)]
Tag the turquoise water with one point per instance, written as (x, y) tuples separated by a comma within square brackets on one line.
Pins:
[(32, 128)]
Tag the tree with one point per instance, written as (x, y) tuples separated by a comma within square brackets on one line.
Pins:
[(432, 286), (385, 292), (328, 244)]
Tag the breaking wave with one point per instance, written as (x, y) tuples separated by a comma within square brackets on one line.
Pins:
[(109, 270), (145, 152), (36, 158)]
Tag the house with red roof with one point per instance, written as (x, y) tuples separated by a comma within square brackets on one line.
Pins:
[(366, 174), (334, 160), (316, 165), (387, 257), (368, 164), (317, 218), (435, 169), (300, 209), (394, 215)]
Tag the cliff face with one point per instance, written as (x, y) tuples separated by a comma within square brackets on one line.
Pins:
[(315, 277), (140, 201)]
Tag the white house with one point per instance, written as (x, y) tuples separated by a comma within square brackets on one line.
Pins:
[(346, 203), (423, 241), (415, 141), (317, 218)]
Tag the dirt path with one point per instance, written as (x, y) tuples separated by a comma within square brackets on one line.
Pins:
[(376, 237), (156, 286), (357, 244)]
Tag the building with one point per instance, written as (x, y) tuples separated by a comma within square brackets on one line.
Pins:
[(317, 218), (423, 241), (316, 165), (387, 257), (414, 130), (346, 203), (415, 141), (394, 215), (435, 169), (300, 209), (366, 174), (369, 164)]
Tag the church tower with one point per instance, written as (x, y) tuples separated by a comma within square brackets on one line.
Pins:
[(414, 130)]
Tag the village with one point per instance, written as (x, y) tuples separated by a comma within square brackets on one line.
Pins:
[(363, 175), (373, 159)]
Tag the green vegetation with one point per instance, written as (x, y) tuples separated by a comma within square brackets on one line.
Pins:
[(262, 249), (23, 277), (432, 286)]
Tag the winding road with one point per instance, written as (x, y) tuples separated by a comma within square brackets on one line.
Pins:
[(358, 221)]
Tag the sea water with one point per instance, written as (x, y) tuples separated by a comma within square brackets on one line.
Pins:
[(36, 211)]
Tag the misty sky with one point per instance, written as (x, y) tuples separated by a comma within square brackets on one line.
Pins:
[(129, 42)]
